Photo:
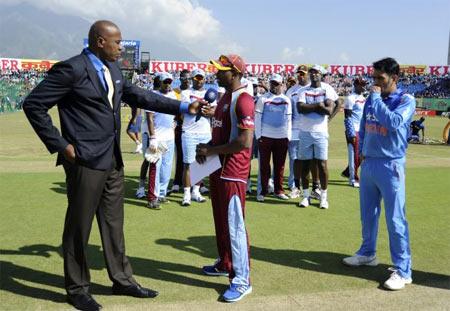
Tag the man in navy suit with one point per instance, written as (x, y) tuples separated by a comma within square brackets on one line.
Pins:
[(88, 90)]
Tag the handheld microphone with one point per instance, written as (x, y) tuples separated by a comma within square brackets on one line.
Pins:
[(210, 97)]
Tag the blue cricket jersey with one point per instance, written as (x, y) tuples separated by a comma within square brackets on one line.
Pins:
[(385, 125)]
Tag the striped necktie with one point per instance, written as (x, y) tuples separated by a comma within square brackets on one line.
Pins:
[(110, 85)]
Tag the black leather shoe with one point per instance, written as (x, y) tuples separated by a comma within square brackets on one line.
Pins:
[(134, 290), (83, 302)]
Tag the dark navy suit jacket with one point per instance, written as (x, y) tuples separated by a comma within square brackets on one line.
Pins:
[(87, 120)]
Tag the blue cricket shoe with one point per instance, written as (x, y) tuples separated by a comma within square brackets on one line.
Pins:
[(236, 292), (213, 271)]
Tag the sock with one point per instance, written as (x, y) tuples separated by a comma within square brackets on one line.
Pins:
[(187, 192), (137, 142), (196, 189), (141, 183), (306, 193), (315, 185), (323, 194)]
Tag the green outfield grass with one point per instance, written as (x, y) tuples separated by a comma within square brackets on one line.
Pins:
[(296, 253)]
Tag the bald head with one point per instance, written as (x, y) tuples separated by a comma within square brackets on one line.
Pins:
[(105, 40), (100, 29)]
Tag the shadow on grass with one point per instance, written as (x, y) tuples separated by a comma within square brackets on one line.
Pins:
[(59, 187), (271, 200), (12, 274), (339, 182), (322, 261), (131, 184), (274, 202)]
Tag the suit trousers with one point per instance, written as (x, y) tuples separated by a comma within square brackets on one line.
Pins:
[(94, 192)]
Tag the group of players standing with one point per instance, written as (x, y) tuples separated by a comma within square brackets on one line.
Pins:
[(282, 128), (180, 135), (296, 123)]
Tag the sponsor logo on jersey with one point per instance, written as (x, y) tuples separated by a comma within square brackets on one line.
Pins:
[(216, 123), (376, 129)]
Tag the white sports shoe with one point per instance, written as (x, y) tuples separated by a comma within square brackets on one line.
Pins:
[(323, 199), (324, 204), (396, 281), (295, 193), (305, 202), (138, 148), (140, 193), (357, 260), (282, 196), (197, 197), (315, 194), (354, 184), (260, 198), (186, 202)]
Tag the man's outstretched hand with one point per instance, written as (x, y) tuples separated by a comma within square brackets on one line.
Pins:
[(196, 107)]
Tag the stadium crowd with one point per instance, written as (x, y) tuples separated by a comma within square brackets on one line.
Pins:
[(424, 85), (15, 85)]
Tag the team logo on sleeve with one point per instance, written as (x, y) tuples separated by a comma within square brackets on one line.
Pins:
[(248, 121)]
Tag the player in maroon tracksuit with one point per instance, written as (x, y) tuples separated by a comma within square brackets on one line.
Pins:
[(232, 137)]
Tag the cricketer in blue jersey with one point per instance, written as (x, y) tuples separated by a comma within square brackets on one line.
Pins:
[(417, 126), (383, 141)]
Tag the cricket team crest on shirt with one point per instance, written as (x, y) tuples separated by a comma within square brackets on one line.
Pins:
[(371, 117)]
